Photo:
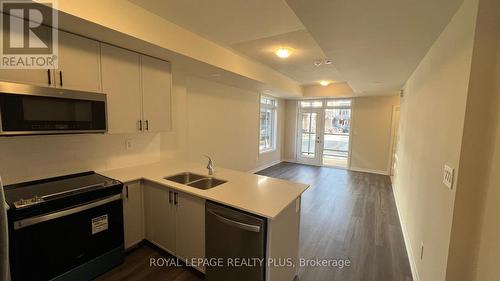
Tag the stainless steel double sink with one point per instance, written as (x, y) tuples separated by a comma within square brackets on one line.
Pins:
[(195, 180)]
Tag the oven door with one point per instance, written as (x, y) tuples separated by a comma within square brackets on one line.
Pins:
[(50, 245)]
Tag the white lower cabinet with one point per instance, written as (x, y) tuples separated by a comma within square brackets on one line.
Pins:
[(160, 216), (133, 217), (172, 220), (190, 228)]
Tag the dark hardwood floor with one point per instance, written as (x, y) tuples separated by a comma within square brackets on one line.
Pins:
[(136, 268), (348, 215), (345, 215)]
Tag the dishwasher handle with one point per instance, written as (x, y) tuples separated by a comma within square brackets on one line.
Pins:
[(244, 226)]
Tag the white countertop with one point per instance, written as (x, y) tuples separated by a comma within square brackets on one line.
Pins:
[(260, 195)]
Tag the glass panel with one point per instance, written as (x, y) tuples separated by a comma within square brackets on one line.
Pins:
[(333, 103), (309, 122), (53, 109), (266, 140), (313, 103), (336, 135), (308, 146), (268, 101)]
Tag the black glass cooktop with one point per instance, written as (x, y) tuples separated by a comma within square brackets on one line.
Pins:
[(31, 193)]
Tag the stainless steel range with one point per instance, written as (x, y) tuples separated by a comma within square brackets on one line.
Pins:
[(65, 228)]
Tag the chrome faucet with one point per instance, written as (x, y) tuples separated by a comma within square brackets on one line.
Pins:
[(210, 166)]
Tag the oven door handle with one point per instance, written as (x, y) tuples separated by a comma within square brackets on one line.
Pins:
[(36, 220)]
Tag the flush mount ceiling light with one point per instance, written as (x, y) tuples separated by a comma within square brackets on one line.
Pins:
[(324, 83), (283, 52)]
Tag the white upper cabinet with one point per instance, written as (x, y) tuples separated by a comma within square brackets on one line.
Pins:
[(156, 94), (39, 77), (138, 89), (78, 66), (79, 63), (121, 82)]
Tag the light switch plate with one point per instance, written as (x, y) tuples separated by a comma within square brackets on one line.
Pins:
[(448, 176)]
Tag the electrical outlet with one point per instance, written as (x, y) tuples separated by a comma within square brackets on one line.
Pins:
[(448, 176), (421, 250), (129, 144)]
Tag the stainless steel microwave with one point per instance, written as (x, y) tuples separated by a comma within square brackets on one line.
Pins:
[(27, 110)]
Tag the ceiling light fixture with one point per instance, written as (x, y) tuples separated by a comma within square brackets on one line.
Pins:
[(283, 52), (324, 83)]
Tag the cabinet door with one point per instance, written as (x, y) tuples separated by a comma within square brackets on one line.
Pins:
[(79, 63), (39, 77), (133, 214), (156, 91), (160, 216), (190, 227), (121, 83)]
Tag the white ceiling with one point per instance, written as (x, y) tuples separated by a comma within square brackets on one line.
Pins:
[(374, 45), (227, 21)]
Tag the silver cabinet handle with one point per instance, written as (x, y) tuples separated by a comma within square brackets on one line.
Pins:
[(175, 198), (147, 125), (35, 220), (140, 125), (170, 197), (244, 226)]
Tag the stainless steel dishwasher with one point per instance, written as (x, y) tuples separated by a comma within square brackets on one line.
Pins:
[(239, 240)]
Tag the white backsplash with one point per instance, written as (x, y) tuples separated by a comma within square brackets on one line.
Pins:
[(34, 157)]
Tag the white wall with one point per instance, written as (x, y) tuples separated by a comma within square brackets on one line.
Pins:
[(34, 157), (476, 227), (371, 133), (431, 127), (290, 131), (221, 121)]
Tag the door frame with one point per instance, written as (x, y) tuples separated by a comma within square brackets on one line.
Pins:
[(318, 159), (396, 112), (320, 133)]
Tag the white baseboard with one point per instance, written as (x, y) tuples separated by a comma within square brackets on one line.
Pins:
[(409, 251), (380, 172), (265, 166)]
